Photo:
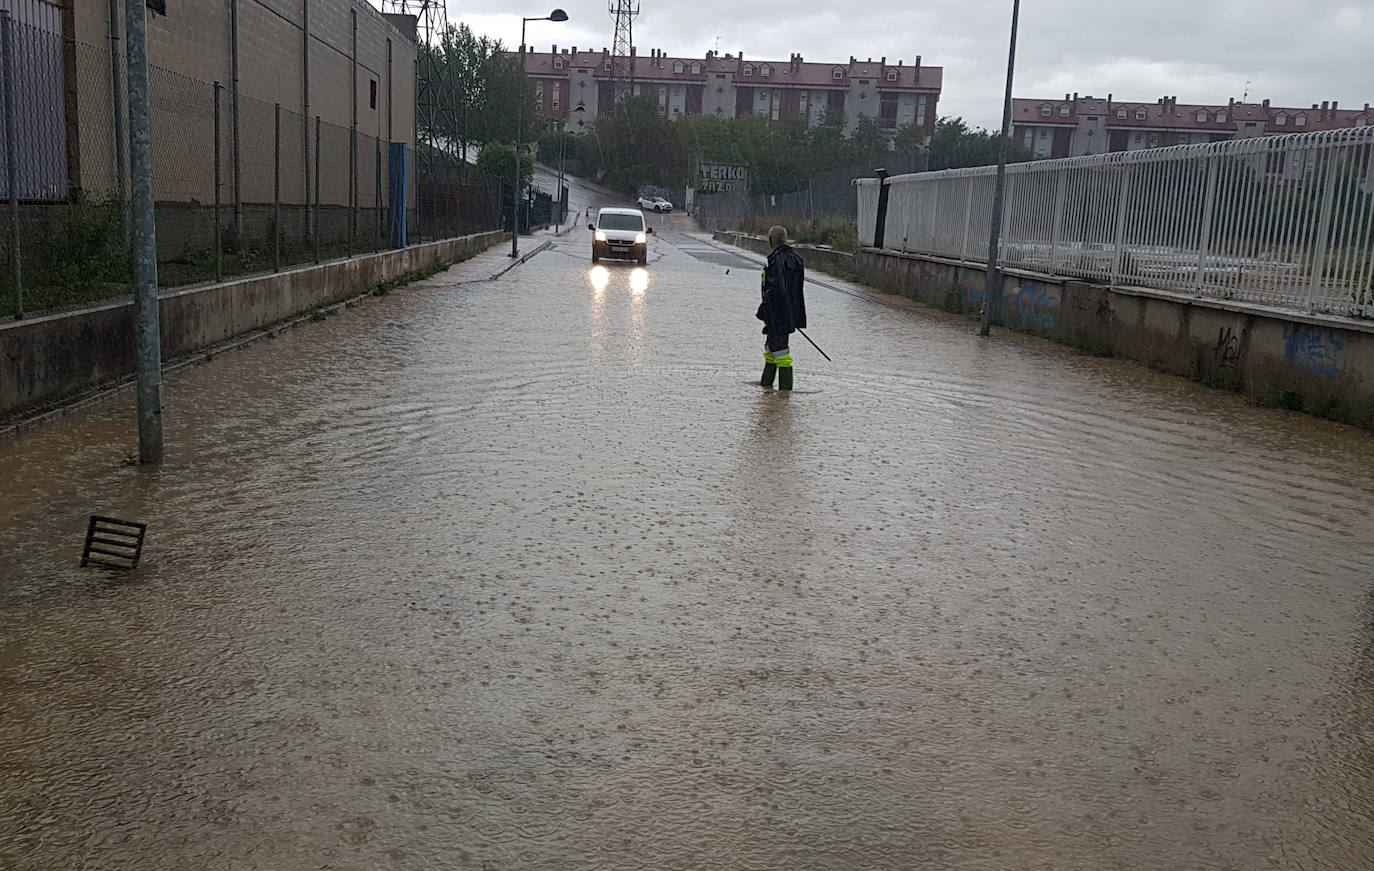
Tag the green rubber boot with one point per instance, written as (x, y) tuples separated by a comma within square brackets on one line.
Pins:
[(769, 370), (785, 378)]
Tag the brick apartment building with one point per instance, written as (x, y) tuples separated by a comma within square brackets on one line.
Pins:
[(575, 85), (1077, 125)]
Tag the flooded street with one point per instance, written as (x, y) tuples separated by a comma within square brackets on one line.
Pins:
[(526, 573)]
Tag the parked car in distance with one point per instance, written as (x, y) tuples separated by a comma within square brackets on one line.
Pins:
[(620, 233), (655, 204)]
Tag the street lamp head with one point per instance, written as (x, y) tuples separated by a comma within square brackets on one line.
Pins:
[(558, 15)]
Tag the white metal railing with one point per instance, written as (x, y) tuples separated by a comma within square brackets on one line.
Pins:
[(1280, 220)]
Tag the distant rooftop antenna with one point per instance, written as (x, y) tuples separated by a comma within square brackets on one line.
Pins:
[(1245, 98), (622, 65)]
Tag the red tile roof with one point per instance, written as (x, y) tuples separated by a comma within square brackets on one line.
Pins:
[(1162, 115), (782, 73)]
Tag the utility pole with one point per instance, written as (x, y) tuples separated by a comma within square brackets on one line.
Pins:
[(147, 329), (992, 290)]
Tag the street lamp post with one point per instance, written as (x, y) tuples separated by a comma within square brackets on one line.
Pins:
[(992, 290), (555, 15)]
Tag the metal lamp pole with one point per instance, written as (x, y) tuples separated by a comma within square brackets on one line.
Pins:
[(992, 290), (555, 15)]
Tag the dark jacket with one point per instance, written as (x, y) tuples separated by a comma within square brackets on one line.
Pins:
[(783, 309)]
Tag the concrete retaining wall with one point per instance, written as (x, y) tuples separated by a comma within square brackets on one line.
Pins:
[(1321, 365), (45, 360)]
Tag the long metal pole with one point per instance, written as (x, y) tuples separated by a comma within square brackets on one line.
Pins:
[(117, 101), (148, 330), (353, 144), (515, 174), (992, 289), (318, 230), (11, 156), (219, 244), (558, 207), (234, 121), (276, 189), (305, 115)]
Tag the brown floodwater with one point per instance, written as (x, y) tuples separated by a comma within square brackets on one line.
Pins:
[(526, 574)]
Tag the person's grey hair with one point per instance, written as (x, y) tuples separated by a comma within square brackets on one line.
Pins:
[(777, 235)]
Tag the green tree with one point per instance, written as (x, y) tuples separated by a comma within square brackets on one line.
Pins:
[(498, 159), (956, 145), (475, 90), (868, 137)]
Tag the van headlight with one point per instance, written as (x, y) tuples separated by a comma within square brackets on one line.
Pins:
[(641, 239), (600, 236)]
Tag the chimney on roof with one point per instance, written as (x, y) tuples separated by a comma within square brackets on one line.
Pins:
[(1109, 102), (899, 61), (632, 51), (1075, 98), (555, 48), (917, 75), (1265, 104), (1334, 104), (883, 61), (851, 60), (574, 51)]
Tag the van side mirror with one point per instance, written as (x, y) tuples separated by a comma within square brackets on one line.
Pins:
[(649, 230), (591, 227)]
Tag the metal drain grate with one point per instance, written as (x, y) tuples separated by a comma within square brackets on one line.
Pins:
[(113, 544)]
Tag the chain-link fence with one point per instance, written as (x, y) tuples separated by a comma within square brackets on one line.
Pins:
[(826, 199), (241, 185)]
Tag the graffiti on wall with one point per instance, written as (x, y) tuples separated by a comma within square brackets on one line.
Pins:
[(1033, 304), (1230, 347), (1312, 349)]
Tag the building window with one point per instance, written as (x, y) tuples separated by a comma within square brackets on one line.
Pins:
[(556, 89), (1063, 111), (748, 71), (1202, 116), (678, 68), (1221, 116), (765, 71), (606, 65), (1121, 113), (372, 94), (538, 92), (1280, 120), (558, 63), (1140, 114), (921, 111), (892, 75), (1044, 133), (837, 74), (1300, 121), (1361, 121), (158, 6), (1045, 111), (696, 69)]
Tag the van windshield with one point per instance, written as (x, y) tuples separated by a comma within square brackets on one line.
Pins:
[(613, 221)]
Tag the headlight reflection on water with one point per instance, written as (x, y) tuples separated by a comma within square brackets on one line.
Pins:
[(599, 276), (639, 280)]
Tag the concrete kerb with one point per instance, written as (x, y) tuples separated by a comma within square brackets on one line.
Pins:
[(1321, 365), (195, 321)]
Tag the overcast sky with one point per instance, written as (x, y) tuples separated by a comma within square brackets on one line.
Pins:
[(1292, 52)]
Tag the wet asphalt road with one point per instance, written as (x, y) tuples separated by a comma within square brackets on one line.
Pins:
[(525, 573)]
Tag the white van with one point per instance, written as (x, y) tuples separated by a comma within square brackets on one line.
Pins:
[(620, 233)]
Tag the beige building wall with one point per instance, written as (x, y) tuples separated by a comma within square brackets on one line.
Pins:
[(191, 47)]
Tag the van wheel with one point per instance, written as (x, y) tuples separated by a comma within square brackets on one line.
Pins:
[(644, 258), (596, 258)]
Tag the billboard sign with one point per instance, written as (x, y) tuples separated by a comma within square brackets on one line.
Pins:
[(723, 177)]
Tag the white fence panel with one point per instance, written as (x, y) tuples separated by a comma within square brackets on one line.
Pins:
[(1280, 220)]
